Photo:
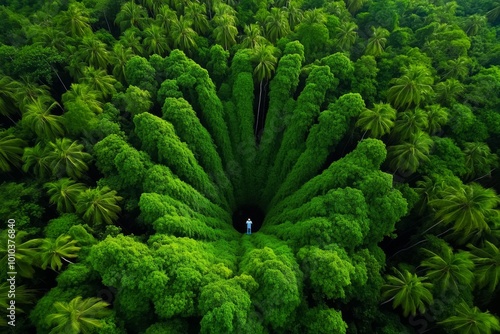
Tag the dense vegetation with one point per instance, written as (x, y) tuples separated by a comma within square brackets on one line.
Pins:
[(367, 131)]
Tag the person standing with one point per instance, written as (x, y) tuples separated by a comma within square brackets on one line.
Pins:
[(249, 226)]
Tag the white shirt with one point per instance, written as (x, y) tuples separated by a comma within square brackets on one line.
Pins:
[(249, 223)]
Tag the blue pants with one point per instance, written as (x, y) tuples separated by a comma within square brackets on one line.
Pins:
[(249, 230)]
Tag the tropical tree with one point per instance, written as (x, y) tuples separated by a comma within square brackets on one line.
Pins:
[(471, 320), (11, 150), (379, 120), (99, 205), (407, 156), (276, 24), (64, 193), (120, 56), (39, 119), (252, 37), (474, 23), (294, 14), (437, 116), (94, 52), (487, 261), (354, 5), (183, 35), (131, 15), (448, 91), (99, 80), (35, 158), (132, 39), (449, 270), (407, 290), (28, 92), (479, 160), (456, 68), (78, 316), (346, 35), (53, 251), (83, 93), (76, 20), (263, 56), (155, 41), (26, 252), (165, 17), (197, 14), (8, 87), (67, 157), (376, 42), (467, 208), (225, 30), (24, 296), (410, 122), (412, 88)]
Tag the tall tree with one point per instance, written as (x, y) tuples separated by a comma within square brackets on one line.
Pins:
[(155, 41), (346, 35), (263, 56), (407, 156), (39, 119), (53, 251), (183, 35), (449, 270), (225, 30), (120, 56), (471, 320), (94, 52), (412, 88), (99, 206), (66, 157), (379, 120), (64, 193), (26, 252), (252, 37), (78, 316), (131, 15), (11, 150), (76, 20), (479, 160), (487, 261), (197, 14), (376, 43), (467, 208), (98, 80), (276, 24), (407, 290)]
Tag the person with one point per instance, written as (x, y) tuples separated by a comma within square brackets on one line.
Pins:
[(249, 226)]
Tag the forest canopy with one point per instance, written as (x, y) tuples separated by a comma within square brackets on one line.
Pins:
[(360, 136)]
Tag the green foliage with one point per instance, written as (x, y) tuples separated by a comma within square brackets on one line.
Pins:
[(98, 206), (53, 251), (472, 320)]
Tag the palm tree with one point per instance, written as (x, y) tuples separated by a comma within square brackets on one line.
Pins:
[(276, 24), (266, 64), (183, 35), (35, 158), (24, 296), (131, 15), (413, 87), (155, 41), (449, 270), (225, 31), (468, 208), (83, 93), (437, 116), (152, 5), (346, 35), (67, 157), (8, 87), (487, 261), (99, 80), (64, 193), (48, 37), (407, 156), (94, 52), (354, 5), (478, 159), (314, 16), (26, 252), (379, 120), (78, 316), (53, 251), (376, 43), (410, 122), (295, 15), (408, 291), (457, 68), (471, 320), (165, 17), (28, 92), (99, 205), (40, 120), (252, 37), (132, 39), (474, 23), (120, 56), (197, 13), (76, 20), (11, 150), (447, 91)]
